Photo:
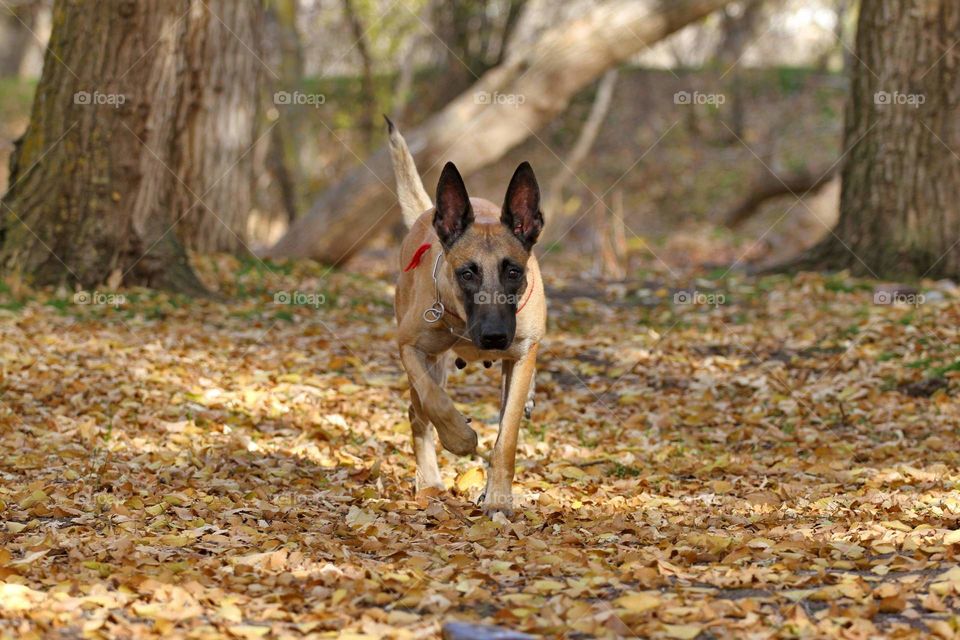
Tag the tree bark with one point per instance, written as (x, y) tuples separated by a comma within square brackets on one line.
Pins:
[(119, 147), (900, 197), (217, 122), (505, 106)]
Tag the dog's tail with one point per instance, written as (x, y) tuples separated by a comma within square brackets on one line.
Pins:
[(413, 197)]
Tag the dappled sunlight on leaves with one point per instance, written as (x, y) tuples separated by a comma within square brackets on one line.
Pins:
[(750, 468)]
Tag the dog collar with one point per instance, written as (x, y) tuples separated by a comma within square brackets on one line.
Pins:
[(435, 312)]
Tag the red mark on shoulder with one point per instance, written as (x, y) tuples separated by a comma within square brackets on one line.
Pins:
[(417, 256)]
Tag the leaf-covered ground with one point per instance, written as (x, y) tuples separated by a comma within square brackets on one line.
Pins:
[(779, 459)]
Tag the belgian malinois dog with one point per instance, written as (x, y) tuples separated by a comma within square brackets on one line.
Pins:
[(470, 286)]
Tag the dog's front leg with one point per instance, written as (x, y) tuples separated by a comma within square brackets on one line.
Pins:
[(424, 440), (455, 435), (518, 377)]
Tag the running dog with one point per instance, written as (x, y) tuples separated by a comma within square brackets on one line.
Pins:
[(469, 286)]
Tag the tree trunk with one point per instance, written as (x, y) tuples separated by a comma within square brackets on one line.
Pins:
[(900, 198), (504, 107), (283, 160), (368, 91), (217, 122), (738, 31), (120, 139)]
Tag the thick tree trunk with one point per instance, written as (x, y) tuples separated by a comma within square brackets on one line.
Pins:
[(504, 107), (900, 199), (119, 141), (217, 122)]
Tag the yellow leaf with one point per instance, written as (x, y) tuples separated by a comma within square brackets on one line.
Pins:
[(248, 630), (174, 541), (230, 611), (357, 517), (573, 473), (470, 479), (638, 602), (796, 595), (30, 557), (35, 498), (952, 575), (548, 586), (17, 597), (682, 631)]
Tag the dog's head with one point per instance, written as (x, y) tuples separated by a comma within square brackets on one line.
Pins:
[(489, 259)]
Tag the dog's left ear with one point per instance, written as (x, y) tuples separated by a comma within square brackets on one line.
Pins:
[(521, 206)]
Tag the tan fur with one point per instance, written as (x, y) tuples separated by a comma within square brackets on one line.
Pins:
[(425, 348), (412, 196)]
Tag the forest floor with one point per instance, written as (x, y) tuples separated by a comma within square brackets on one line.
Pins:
[(778, 458)]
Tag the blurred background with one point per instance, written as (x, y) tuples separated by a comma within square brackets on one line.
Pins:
[(688, 147)]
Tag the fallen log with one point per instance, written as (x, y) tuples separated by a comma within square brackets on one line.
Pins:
[(502, 109)]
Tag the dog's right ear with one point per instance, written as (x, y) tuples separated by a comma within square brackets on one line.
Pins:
[(453, 213)]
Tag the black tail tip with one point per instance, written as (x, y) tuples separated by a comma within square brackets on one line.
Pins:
[(390, 125)]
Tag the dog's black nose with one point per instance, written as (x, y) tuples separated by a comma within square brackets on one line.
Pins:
[(493, 341)]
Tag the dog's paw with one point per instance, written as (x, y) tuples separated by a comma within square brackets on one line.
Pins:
[(458, 438), (493, 503), (491, 510), (432, 488)]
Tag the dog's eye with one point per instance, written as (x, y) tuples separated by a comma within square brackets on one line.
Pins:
[(514, 274), (466, 275)]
